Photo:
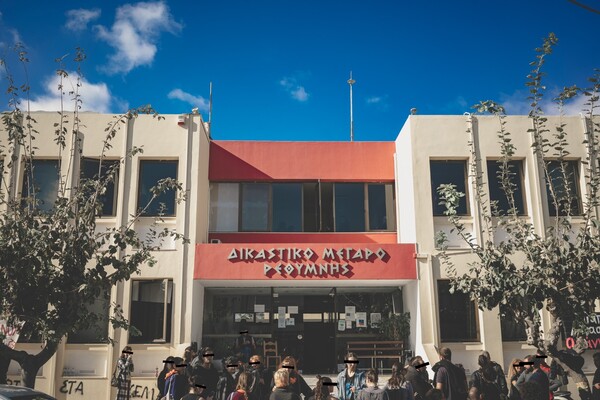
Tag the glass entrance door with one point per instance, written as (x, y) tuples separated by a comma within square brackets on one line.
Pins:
[(308, 332)]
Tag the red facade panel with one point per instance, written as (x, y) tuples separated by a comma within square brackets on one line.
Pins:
[(297, 161)]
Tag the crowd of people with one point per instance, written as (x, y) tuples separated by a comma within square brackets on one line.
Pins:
[(194, 376)]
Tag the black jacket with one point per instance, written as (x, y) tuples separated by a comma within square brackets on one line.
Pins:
[(258, 390), (283, 394), (299, 386), (419, 382), (225, 386), (208, 376), (457, 380)]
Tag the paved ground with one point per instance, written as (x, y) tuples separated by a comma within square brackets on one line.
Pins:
[(311, 380)]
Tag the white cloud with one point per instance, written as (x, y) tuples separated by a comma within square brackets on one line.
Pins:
[(95, 96), (195, 101), (134, 34), (517, 104), (77, 20), (374, 100), (295, 90)]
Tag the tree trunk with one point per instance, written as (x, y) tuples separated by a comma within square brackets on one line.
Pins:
[(570, 361), (30, 364), (4, 364)]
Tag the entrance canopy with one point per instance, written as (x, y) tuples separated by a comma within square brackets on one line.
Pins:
[(305, 261)]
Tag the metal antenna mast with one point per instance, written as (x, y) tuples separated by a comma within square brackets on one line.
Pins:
[(351, 82)]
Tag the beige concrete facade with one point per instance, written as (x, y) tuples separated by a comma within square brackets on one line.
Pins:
[(83, 370), (426, 138)]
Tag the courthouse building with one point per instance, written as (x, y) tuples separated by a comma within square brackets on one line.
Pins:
[(308, 244)]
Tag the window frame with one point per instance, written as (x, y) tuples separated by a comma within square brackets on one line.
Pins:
[(24, 176), (139, 207), (476, 324), (169, 282), (467, 197), (521, 177), (115, 182), (577, 181), (391, 216)]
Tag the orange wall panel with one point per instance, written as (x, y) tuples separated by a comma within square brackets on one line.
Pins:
[(327, 161)]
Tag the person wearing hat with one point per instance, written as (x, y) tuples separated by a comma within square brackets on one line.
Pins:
[(177, 384)]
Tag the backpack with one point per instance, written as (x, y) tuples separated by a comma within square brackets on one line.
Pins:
[(457, 380)]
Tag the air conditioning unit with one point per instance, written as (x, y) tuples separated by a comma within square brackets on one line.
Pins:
[(215, 241)]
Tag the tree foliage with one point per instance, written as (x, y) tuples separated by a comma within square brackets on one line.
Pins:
[(555, 268), (54, 261)]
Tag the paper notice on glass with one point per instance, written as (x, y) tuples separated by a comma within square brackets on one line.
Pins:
[(281, 310), (259, 308), (341, 325), (348, 325), (280, 322), (361, 319), (350, 313), (292, 309), (290, 321), (375, 319)]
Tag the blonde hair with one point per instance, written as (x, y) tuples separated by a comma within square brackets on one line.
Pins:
[(281, 378), (255, 358), (244, 381), (290, 361)]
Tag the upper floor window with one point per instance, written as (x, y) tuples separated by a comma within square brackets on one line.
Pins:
[(449, 172), (458, 315), (40, 181), (513, 179), (302, 207), (287, 207), (151, 310), (349, 207), (255, 207), (151, 171), (562, 188), (91, 169), (224, 207)]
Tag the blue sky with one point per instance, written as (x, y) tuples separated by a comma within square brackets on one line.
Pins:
[(279, 68)]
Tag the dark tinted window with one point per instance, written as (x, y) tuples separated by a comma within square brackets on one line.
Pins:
[(89, 170), (381, 207), (349, 207), (514, 175), (151, 171), (446, 172), (98, 331), (311, 207), (564, 181), (458, 322), (151, 308), (287, 207), (255, 207), (44, 184), (326, 207)]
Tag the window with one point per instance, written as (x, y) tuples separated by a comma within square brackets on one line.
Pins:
[(98, 331), (302, 207), (449, 172), (44, 184), (89, 170), (151, 171), (512, 331), (349, 207), (382, 213), (287, 207), (310, 199), (497, 193), (224, 207), (255, 207), (151, 310), (564, 181), (458, 315)]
